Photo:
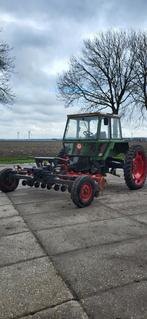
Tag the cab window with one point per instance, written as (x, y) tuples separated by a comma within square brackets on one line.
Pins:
[(115, 128), (82, 128), (104, 129)]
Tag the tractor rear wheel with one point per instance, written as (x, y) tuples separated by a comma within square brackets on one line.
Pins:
[(83, 191), (8, 181), (135, 167)]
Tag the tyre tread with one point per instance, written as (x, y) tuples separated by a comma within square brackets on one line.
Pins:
[(128, 166), (75, 191), (4, 188)]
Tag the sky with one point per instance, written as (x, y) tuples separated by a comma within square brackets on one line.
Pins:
[(44, 34)]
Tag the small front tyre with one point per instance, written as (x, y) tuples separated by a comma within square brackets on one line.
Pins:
[(8, 180), (83, 191), (135, 167)]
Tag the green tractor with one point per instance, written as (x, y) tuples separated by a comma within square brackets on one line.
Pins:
[(92, 147)]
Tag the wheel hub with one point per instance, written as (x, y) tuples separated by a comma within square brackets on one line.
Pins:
[(86, 192)]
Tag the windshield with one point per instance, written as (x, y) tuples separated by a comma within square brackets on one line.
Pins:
[(81, 128)]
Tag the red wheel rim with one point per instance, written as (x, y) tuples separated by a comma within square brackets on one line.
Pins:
[(86, 192), (139, 168)]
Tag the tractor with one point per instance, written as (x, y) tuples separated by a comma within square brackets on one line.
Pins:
[(92, 147)]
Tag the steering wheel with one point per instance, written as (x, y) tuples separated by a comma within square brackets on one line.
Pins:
[(88, 133)]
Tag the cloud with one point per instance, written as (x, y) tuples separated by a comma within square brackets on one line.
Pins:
[(44, 35)]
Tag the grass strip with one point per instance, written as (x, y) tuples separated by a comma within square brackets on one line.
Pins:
[(16, 160)]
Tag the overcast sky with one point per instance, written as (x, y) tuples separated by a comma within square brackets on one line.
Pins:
[(44, 35)]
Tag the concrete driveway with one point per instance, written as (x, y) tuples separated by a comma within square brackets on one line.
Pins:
[(60, 262)]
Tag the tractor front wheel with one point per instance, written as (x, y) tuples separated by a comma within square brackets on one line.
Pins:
[(8, 180), (83, 191), (135, 167)]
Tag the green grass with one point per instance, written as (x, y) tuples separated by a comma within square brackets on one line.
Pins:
[(16, 160)]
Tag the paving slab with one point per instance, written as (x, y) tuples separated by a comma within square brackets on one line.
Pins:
[(115, 194), (48, 206), (97, 269), (4, 200), (2, 194), (12, 225), (141, 217), (19, 247), (68, 238), (129, 207), (27, 195), (30, 287), (128, 302), (70, 309), (7, 211), (56, 217)]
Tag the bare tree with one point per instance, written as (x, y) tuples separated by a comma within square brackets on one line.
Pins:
[(138, 45), (102, 77), (6, 67)]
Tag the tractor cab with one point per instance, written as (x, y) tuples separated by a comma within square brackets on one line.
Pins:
[(92, 126), (92, 134)]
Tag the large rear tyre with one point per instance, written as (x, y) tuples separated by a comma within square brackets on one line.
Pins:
[(83, 191), (8, 180), (135, 167)]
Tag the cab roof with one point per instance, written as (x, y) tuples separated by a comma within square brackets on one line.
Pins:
[(99, 114)]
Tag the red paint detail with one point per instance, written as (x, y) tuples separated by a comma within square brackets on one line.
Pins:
[(79, 146), (139, 168), (86, 192)]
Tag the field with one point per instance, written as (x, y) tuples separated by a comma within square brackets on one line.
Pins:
[(22, 151)]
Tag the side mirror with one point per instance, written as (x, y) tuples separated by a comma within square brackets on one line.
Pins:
[(106, 122)]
